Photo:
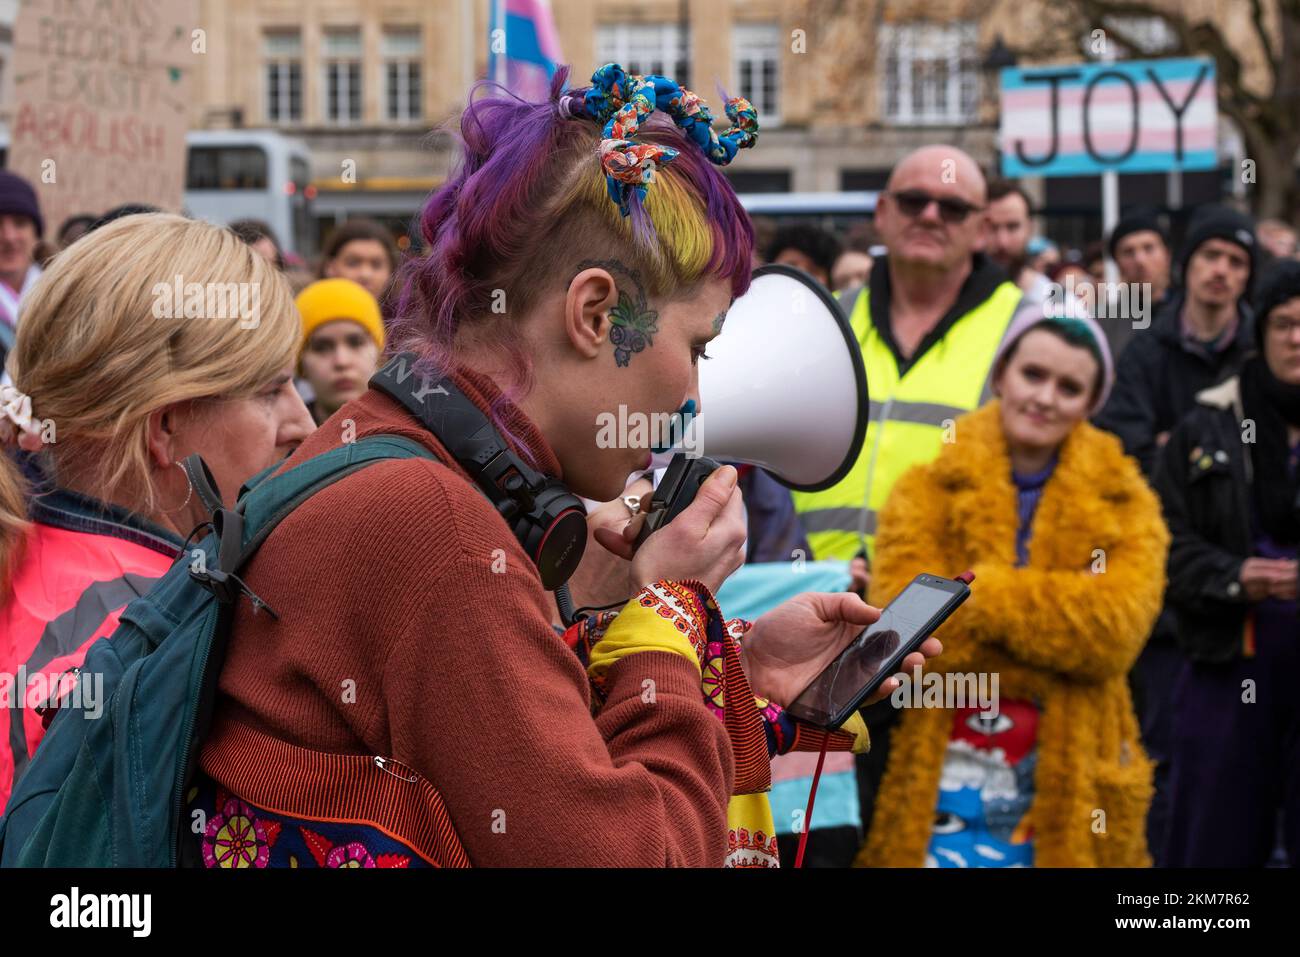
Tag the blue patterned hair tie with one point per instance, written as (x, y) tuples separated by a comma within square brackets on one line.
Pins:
[(622, 101)]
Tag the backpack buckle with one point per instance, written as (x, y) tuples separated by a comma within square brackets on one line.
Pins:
[(222, 582), (226, 587), (50, 709)]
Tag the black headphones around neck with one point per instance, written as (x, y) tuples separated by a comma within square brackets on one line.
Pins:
[(549, 521)]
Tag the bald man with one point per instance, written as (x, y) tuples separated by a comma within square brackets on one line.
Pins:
[(929, 321)]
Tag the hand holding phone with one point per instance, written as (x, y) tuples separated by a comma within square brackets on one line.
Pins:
[(879, 650), (794, 642)]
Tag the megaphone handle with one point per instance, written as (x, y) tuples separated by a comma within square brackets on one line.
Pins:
[(676, 491)]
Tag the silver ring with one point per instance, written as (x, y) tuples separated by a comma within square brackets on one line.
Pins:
[(633, 502)]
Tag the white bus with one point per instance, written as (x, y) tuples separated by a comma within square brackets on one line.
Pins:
[(244, 174), (838, 212), (252, 174)]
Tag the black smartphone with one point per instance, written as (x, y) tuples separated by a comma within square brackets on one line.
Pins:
[(876, 654)]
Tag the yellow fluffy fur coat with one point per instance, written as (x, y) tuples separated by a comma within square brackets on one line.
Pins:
[(1063, 631)]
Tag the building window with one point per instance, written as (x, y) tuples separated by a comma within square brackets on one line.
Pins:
[(929, 73), (342, 56), (866, 180), (402, 74), (756, 51), (282, 51), (645, 48)]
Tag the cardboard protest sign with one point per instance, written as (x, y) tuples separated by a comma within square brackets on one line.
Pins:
[(101, 106)]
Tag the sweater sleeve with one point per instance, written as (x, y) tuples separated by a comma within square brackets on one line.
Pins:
[(493, 708)]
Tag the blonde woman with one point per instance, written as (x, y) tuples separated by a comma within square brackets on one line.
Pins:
[(154, 337)]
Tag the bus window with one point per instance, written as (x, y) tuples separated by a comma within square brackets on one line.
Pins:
[(226, 167)]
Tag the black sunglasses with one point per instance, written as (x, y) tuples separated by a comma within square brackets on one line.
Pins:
[(913, 202)]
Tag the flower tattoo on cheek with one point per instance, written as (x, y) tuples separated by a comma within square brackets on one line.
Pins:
[(634, 323), (718, 320)]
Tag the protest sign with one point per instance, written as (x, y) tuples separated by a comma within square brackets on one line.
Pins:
[(101, 105)]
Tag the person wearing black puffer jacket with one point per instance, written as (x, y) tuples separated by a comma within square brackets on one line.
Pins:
[(1228, 481), (1199, 336)]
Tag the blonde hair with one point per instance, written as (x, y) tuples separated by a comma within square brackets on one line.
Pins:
[(102, 345)]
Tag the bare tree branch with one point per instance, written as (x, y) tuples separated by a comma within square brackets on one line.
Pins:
[(1269, 120), (1261, 35), (1202, 38)]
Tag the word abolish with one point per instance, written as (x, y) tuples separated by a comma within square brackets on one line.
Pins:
[(103, 910), (948, 690), (655, 431), (32, 691), (208, 300)]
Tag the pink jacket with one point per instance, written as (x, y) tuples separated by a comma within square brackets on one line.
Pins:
[(68, 589)]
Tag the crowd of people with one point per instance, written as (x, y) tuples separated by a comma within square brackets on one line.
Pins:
[(1123, 487), (1148, 374)]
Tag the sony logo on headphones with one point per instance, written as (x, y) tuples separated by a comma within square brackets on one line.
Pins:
[(559, 561)]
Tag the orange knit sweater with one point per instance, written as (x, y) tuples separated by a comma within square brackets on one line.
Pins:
[(413, 626)]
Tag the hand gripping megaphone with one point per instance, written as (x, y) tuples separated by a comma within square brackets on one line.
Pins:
[(784, 388)]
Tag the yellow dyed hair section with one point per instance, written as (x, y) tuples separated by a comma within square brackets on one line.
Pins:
[(683, 241)]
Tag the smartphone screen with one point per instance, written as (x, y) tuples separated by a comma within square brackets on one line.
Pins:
[(876, 653)]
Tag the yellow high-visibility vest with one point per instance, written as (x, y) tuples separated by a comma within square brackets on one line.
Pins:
[(909, 418)]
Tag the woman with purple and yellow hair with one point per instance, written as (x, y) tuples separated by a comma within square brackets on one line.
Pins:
[(580, 258)]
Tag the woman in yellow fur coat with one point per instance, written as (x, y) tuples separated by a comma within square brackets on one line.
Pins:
[(1068, 548)]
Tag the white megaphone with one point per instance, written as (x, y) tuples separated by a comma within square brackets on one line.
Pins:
[(784, 389)]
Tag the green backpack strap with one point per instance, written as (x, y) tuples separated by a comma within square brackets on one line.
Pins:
[(266, 501)]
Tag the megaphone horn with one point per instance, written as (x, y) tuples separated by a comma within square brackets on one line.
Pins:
[(784, 388)]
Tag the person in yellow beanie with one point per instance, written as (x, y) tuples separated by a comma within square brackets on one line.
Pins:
[(342, 340)]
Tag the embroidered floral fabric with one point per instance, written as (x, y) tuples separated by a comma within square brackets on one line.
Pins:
[(238, 834), (694, 612)]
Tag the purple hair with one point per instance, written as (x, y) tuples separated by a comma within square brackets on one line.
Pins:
[(486, 228)]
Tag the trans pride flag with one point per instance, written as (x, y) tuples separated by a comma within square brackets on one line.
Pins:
[(523, 47)]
